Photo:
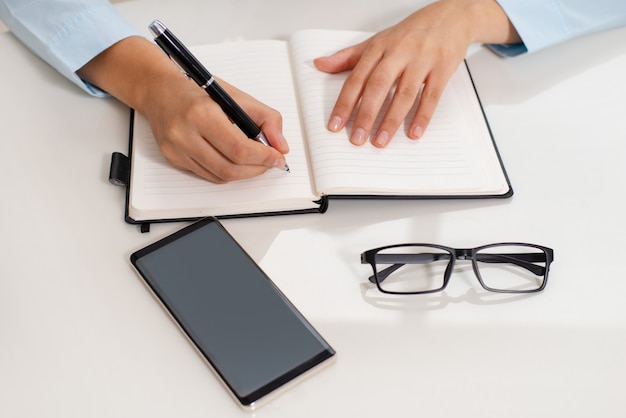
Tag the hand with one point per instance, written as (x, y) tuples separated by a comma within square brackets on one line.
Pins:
[(417, 56), (195, 134), (192, 131)]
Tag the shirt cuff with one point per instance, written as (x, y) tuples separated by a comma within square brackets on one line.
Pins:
[(509, 50), (84, 37), (539, 23)]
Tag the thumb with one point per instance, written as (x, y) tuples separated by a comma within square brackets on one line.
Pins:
[(342, 60)]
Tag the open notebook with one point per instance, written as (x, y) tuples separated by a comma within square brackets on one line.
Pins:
[(456, 158)]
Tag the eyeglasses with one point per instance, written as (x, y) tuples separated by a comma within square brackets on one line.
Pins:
[(509, 267)]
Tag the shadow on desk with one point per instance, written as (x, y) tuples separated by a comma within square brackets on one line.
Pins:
[(462, 276), (347, 216), (434, 301), (518, 79)]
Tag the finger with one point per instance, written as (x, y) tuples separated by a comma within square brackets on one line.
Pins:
[(240, 150), (209, 162), (221, 171), (428, 101), (269, 120), (189, 164), (351, 92), (404, 97), (226, 138), (375, 93), (271, 123), (205, 160), (220, 159), (225, 171), (342, 60)]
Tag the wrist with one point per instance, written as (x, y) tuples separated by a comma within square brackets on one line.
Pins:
[(132, 70), (488, 22)]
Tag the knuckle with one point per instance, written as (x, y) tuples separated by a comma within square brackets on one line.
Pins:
[(215, 179), (226, 173), (366, 117), (423, 119), (172, 138), (197, 107), (391, 123), (355, 79), (431, 94), (342, 108), (275, 115), (168, 149), (407, 92), (379, 80), (239, 152)]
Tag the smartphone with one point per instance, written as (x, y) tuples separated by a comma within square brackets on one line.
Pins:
[(249, 333)]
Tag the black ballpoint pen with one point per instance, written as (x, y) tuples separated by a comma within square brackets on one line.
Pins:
[(196, 71)]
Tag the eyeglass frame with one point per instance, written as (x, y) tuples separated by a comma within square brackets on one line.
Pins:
[(369, 257)]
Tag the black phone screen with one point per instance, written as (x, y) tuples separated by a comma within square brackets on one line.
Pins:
[(250, 333)]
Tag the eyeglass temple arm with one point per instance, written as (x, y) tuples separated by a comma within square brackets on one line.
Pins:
[(524, 260)]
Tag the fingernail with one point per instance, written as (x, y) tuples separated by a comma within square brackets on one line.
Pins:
[(382, 139), (334, 123), (358, 136), (283, 141), (418, 131), (280, 163)]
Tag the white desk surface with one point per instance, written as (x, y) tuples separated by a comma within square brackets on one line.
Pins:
[(80, 336)]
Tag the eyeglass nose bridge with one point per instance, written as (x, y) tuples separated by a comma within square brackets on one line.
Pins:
[(463, 253)]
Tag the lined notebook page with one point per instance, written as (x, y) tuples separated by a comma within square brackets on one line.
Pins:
[(262, 69), (456, 155)]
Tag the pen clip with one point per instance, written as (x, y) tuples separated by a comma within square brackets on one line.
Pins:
[(185, 73)]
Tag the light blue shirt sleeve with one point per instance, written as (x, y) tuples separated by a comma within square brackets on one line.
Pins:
[(67, 34), (543, 23)]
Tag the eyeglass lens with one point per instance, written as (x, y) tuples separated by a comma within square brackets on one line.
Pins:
[(512, 268)]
